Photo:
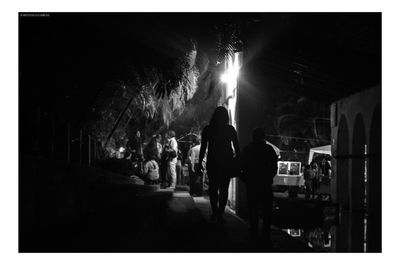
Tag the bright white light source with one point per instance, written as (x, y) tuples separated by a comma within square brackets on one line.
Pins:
[(230, 78), (121, 149), (224, 78), (231, 74)]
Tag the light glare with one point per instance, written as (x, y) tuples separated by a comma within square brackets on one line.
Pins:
[(231, 74)]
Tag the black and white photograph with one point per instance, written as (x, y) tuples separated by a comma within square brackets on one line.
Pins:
[(199, 132)]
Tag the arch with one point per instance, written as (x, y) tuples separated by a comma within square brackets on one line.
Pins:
[(342, 184), (343, 164), (357, 190), (374, 190)]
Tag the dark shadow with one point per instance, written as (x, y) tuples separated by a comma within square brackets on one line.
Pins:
[(259, 164)]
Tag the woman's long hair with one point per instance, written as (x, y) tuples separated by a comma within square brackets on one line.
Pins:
[(220, 117)]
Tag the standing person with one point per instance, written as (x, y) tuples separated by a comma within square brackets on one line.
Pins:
[(172, 153), (179, 170), (135, 144), (152, 150), (324, 179), (307, 181), (193, 158), (314, 179), (325, 168), (218, 137), (135, 147), (259, 165), (164, 164)]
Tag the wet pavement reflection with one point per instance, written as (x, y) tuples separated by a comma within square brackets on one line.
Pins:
[(322, 225)]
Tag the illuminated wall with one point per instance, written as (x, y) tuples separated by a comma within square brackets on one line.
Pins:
[(229, 100)]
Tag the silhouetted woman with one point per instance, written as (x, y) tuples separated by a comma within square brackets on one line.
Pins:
[(218, 137)]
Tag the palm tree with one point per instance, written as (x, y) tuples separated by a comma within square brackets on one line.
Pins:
[(150, 94)]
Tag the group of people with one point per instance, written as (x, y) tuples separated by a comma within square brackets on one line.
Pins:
[(218, 151), (314, 175), (157, 160)]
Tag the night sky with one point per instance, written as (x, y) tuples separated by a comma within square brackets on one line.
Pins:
[(66, 59)]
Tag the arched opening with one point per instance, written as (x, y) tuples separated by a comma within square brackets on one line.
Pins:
[(374, 191), (343, 164), (357, 194), (342, 188)]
